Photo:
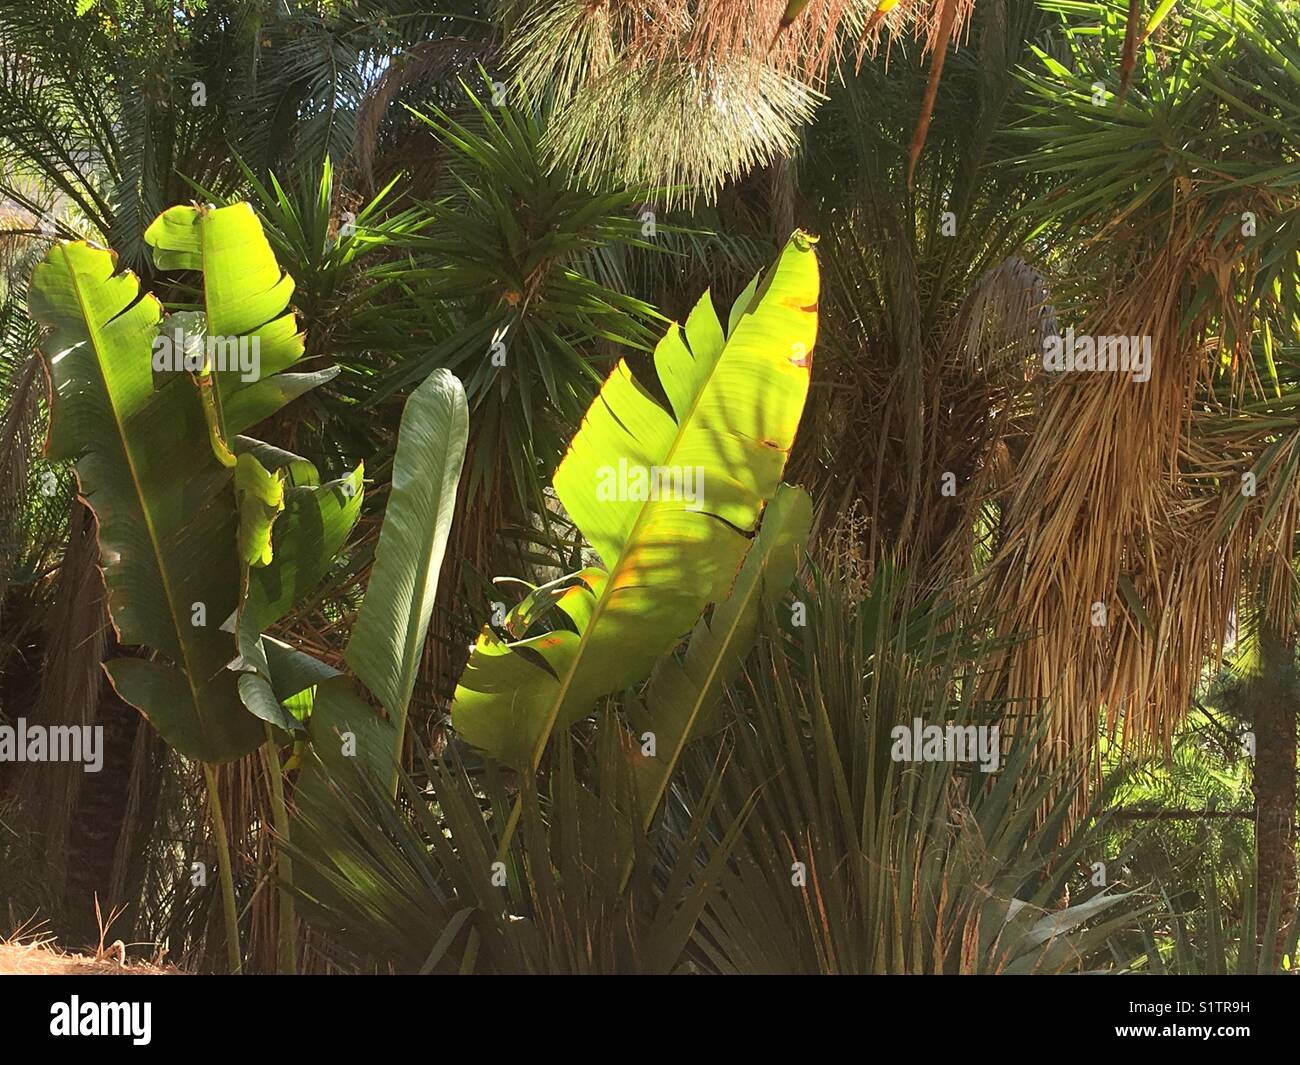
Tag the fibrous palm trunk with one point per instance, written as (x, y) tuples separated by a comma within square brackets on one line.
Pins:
[(1274, 711)]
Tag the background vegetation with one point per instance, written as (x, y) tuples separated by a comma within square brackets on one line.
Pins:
[(559, 182)]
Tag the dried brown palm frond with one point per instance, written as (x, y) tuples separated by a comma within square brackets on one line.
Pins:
[(426, 62), (1092, 486), (1132, 36), (938, 44), (19, 426), (76, 631), (1122, 551)]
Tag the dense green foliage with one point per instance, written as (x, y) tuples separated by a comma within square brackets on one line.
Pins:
[(650, 421)]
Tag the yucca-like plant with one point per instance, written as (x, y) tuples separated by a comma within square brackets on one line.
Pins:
[(1162, 245), (510, 282), (1156, 505)]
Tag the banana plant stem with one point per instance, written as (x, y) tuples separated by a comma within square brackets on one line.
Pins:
[(288, 937), (227, 874)]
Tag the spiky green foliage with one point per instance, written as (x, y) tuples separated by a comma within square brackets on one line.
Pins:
[(854, 861), (508, 288), (1225, 935), (420, 888), (119, 103), (909, 868)]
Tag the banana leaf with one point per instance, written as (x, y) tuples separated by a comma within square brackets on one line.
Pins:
[(146, 450), (388, 638), (164, 504), (736, 400), (246, 298)]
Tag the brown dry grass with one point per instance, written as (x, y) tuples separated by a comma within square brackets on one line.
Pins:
[(40, 958), (31, 951)]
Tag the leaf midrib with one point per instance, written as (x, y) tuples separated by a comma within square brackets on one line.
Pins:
[(698, 703)]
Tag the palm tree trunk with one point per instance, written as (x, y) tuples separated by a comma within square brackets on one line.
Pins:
[(1274, 711)]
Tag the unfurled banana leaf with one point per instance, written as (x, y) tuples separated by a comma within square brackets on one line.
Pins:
[(736, 401), (388, 637), (684, 696), (165, 506), (246, 302)]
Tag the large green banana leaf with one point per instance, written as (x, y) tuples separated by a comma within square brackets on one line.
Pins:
[(165, 506), (388, 637), (170, 526), (736, 400), (683, 698)]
